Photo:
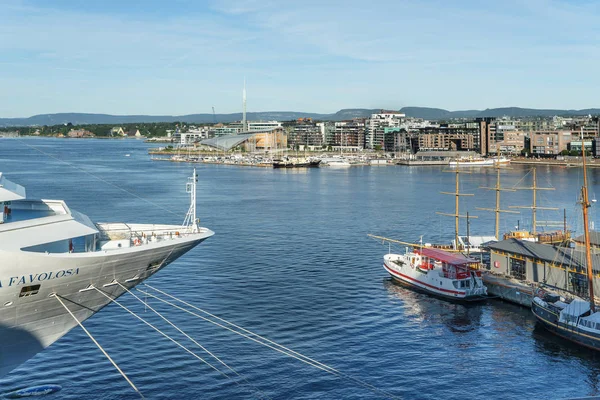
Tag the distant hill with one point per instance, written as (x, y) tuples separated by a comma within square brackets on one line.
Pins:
[(438, 113), (345, 114), (84, 118)]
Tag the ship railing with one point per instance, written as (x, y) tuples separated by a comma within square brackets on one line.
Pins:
[(141, 237), (123, 235)]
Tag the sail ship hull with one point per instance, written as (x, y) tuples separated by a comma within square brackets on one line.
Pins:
[(551, 321)]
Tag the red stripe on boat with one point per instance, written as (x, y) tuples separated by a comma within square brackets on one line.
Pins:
[(394, 272)]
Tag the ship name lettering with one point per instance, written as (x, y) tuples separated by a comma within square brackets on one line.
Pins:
[(41, 277)]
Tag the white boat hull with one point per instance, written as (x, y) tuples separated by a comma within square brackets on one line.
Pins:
[(432, 281), (31, 323), (479, 162)]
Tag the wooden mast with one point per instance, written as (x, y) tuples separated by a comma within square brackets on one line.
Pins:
[(456, 214), (534, 207), (497, 210), (585, 204)]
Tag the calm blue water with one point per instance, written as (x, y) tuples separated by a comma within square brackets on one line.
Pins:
[(291, 260)]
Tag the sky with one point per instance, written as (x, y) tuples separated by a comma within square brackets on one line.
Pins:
[(181, 57)]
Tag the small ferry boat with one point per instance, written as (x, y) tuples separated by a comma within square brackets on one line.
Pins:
[(449, 275)]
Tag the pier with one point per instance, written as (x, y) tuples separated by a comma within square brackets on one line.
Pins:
[(509, 289)]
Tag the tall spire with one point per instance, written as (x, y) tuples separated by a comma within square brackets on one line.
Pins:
[(244, 123)]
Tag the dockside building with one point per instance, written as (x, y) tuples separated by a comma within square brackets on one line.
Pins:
[(561, 267)]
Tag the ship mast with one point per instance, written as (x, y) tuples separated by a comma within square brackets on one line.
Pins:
[(585, 204), (534, 207), (497, 210), (191, 222), (456, 214)]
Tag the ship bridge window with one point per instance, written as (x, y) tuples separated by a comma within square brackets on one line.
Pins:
[(29, 290)]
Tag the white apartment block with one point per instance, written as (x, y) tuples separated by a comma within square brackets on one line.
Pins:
[(376, 124)]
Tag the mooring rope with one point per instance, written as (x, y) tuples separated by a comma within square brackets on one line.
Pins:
[(161, 332), (58, 297), (261, 394), (265, 342)]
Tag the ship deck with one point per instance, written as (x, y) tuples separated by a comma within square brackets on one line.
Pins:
[(24, 215)]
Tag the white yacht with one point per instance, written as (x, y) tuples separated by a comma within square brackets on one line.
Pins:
[(51, 255), (478, 161), (338, 163)]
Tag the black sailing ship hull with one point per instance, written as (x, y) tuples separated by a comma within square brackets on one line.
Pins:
[(282, 164), (550, 320)]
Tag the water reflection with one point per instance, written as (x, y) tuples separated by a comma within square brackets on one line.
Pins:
[(457, 318)]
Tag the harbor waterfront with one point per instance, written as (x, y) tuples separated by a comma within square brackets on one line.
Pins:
[(291, 260)]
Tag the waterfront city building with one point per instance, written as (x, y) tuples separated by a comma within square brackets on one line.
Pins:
[(375, 127), (349, 135)]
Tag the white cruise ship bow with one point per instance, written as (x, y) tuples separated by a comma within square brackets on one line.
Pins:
[(48, 250)]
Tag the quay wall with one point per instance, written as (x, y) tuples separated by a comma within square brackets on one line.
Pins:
[(507, 289)]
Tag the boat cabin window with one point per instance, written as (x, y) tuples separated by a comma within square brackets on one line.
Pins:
[(465, 284), (29, 290)]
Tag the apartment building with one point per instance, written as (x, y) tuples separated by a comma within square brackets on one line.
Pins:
[(459, 136), (544, 143), (396, 140), (305, 135), (375, 127), (348, 135)]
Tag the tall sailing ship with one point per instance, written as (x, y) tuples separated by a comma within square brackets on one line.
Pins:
[(57, 267), (573, 318)]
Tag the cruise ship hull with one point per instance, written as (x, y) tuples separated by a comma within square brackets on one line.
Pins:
[(32, 322)]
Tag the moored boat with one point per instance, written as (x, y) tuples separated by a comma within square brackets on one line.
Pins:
[(58, 268), (294, 162), (478, 161), (571, 319), (449, 275), (338, 163), (574, 319)]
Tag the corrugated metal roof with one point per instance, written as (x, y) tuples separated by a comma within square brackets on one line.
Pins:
[(447, 257), (575, 258), (594, 238)]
